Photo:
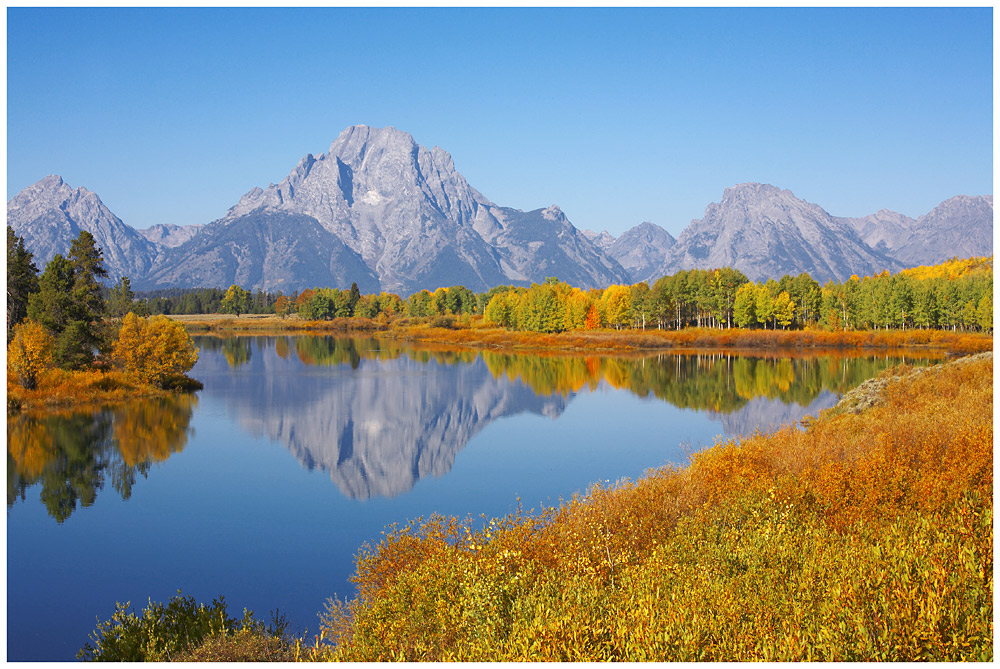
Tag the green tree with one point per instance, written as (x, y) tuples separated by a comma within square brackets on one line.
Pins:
[(22, 280), (745, 305), (984, 312), (52, 305), (121, 300), (87, 262), (69, 303), (236, 300), (354, 297), (725, 282)]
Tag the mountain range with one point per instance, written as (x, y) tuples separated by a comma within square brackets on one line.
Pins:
[(380, 210)]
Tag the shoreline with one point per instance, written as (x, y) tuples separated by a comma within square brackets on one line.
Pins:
[(470, 334)]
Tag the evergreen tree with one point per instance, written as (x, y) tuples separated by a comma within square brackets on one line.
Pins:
[(87, 262), (52, 305), (22, 280), (355, 296), (121, 299)]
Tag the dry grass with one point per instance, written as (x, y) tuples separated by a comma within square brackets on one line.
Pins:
[(60, 388), (692, 339)]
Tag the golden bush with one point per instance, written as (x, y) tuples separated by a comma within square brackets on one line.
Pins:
[(153, 349), (29, 353)]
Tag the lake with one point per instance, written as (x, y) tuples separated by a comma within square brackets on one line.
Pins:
[(263, 486)]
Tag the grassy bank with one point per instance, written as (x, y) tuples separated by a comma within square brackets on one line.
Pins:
[(62, 388), (269, 324), (735, 339), (868, 536), (470, 332)]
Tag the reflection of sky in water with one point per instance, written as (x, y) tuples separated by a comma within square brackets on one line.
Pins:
[(247, 509)]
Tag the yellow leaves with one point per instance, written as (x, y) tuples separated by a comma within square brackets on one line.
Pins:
[(29, 353), (153, 349)]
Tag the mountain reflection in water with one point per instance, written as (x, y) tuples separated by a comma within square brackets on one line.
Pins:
[(378, 416)]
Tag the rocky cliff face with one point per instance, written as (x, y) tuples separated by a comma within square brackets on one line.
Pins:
[(767, 232), (50, 214), (960, 226), (602, 240), (169, 236)]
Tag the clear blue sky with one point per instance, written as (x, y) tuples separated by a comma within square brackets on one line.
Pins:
[(617, 116)]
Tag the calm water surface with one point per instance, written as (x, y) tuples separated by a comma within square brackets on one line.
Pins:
[(263, 486)]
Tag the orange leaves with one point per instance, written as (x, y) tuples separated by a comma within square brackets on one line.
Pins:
[(153, 349), (29, 353)]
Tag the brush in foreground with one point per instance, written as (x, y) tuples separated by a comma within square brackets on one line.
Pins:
[(864, 537)]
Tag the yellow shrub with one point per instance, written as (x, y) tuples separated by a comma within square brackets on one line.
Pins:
[(153, 349), (29, 353)]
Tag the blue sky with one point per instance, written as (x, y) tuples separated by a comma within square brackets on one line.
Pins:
[(617, 116)]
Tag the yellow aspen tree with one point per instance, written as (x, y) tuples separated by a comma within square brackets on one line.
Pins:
[(29, 353), (153, 349)]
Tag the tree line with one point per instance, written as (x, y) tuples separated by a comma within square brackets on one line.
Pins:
[(940, 297)]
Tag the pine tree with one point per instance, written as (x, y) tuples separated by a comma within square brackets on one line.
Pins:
[(121, 299), (22, 280)]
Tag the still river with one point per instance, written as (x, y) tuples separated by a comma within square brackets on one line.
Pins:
[(263, 486)]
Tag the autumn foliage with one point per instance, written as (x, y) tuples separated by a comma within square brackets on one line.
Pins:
[(863, 537), (153, 349), (29, 353)]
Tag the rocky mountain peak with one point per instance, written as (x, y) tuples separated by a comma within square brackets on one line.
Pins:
[(766, 232), (642, 250), (553, 213), (50, 214)]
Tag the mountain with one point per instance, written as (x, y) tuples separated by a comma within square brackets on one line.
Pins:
[(381, 210), (601, 240), (50, 214), (168, 235), (416, 222), (767, 232), (641, 250), (960, 226), (884, 230), (272, 250)]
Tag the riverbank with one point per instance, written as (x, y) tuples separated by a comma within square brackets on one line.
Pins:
[(866, 536), (471, 333), (59, 388)]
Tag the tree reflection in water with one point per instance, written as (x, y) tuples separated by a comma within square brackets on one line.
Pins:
[(72, 453)]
